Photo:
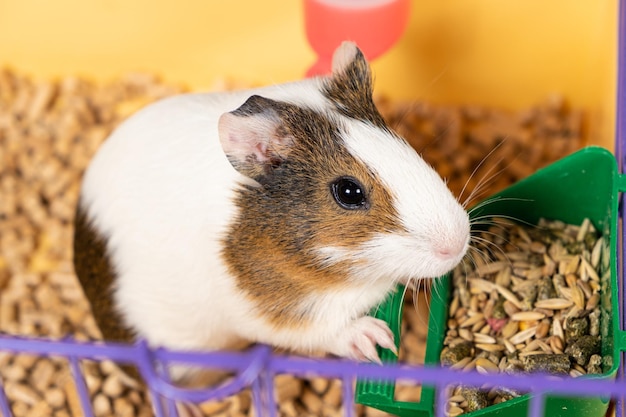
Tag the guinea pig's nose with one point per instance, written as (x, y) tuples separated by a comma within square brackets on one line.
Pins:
[(451, 249)]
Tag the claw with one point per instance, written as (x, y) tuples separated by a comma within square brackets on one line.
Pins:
[(362, 337)]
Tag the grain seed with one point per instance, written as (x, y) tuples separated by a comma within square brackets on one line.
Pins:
[(509, 296), (596, 252), (593, 302), (483, 338), (481, 285), (485, 366), (523, 335), (490, 268), (543, 329), (461, 364), (470, 321), (466, 334), (590, 270), (527, 316), (585, 288), (583, 230), (578, 297), (557, 328), (509, 308), (471, 365), (537, 247), (488, 347), (524, 354), (454, 305), (554, 303), (455, 411)]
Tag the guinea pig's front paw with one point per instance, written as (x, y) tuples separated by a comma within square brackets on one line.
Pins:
[(359, 340)]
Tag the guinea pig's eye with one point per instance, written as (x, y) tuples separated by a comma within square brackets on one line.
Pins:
[(349, 193)]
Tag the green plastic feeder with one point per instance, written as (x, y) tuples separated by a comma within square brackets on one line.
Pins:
[(582, 185)]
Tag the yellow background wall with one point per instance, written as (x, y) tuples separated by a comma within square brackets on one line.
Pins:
[(504, 53)]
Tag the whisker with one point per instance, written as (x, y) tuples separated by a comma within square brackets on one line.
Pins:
[(469, 261), (485, 257), (433, 290), (476, 168), (488, 245), (471, 258), (504, 239), (406, 287), (477, 223), (515, 220), (416, 291), (416, 300), (484, 182), (472, 265), (483, 222), (497, 199)]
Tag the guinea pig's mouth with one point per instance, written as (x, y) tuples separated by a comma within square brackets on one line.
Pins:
[(414, 280), (435, 270), (414, 284)]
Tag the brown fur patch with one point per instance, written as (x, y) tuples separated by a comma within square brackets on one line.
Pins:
[(351, 92), (97, 278), (271, 247)]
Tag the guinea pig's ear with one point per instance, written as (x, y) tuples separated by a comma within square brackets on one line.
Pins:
[(350, 85), (349, 64), (344, 55), (253, 137)]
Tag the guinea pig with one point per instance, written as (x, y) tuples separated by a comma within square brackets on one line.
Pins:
[(279, 215)]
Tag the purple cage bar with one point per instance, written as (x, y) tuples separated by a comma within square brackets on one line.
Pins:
[(256, 368)]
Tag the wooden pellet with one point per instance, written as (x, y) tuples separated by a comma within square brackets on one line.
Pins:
[(71, 396), (214, 407), (42, 408), (287, 388), (20, 408), (55, 397), (123, 407), (42, 375), (22, 392), (333, 397), (102, 405), (289, 409), (14, 373), (319, 385), (112, 386), (311, 401)]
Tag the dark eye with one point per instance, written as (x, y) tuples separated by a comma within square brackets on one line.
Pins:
[(348, 193)]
